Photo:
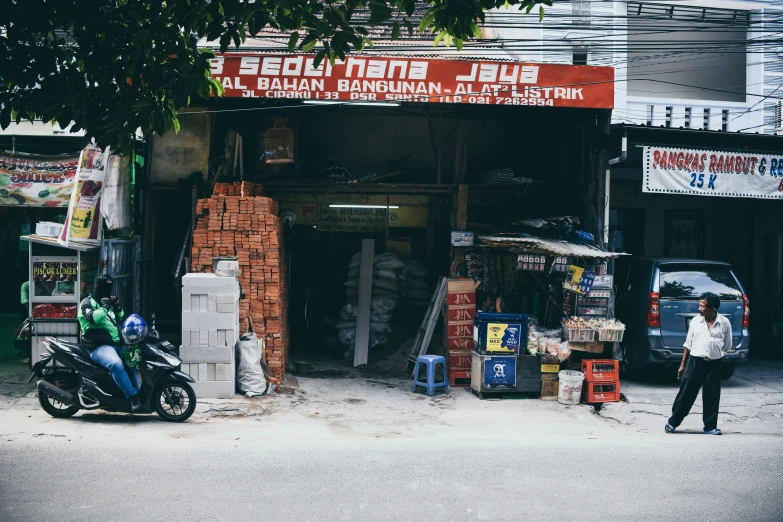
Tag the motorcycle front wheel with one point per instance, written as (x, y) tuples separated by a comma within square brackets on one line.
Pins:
[(175, 402)]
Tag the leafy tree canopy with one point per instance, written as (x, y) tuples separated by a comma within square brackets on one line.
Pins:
[(114, 66)]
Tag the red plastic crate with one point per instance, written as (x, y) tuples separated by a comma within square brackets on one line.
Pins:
[(458, 377), (595, 392), (601, 370)]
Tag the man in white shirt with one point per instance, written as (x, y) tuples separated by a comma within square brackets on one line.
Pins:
[(708, 341)]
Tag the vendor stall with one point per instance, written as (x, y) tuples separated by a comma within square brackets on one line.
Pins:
[(59, 278), (546, 303)]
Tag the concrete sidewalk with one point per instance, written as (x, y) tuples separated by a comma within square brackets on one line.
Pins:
[(354, 405)]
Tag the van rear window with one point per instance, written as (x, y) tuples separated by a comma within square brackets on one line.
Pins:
[(689, 283)]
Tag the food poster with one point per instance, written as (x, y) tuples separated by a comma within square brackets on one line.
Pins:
[(54, 311), (84, 222), (37, 181), (504, 338), (55, 278)]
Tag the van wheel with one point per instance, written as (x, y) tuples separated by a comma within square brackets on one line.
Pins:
[(727, 371), (627, 369)]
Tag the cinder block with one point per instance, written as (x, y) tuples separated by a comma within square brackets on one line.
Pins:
[(221, 335), (185, 336), (224, 372), (213, 338), (231, 337), (201, 279), (225, 299), (195, 303), (195, 338), (210, 371), (209, 320), (211, 290), (203, 337), (203, 303), (206, 354), (212, 303), (186, 305), (202, 372), (214, 389), (226, 308)]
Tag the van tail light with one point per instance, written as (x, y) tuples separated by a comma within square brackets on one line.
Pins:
[(746, 316), (654, 311)]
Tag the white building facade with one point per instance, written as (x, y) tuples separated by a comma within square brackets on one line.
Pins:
[(698, 64)]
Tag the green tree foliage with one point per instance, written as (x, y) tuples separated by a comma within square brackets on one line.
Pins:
[(114, 66)]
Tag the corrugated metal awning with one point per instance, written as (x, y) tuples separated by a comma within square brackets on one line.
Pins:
[(555, 247)]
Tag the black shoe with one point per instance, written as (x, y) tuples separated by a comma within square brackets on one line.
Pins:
[(135, 404)]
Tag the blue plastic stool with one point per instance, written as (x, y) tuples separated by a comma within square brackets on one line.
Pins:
[(430, 361)]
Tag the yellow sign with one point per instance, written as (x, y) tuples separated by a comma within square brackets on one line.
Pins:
[(342, 219), (572, 282), (503, 338), (352, 213)]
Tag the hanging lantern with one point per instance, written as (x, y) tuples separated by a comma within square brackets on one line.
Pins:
[(279, 146)]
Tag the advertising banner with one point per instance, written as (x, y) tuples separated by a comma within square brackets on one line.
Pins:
[(389, 79), (84, 222), (712, 173), (54, 278), (37, 181)]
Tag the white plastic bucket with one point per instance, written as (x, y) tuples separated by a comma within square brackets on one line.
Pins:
[(570, 389)]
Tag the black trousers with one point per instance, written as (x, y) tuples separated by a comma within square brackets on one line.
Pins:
[(698, 373)]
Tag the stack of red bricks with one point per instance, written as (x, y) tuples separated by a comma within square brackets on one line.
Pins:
[(238, 221)]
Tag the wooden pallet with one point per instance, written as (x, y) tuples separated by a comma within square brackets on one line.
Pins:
[(506, 394)]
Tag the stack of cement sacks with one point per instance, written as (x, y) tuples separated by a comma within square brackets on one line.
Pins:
[(385, 294), (414, 283), (210, 330)]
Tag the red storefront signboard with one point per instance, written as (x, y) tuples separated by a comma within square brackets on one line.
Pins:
[(389, 79)]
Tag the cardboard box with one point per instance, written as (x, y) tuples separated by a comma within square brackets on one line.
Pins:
[(455, 314), (459, 329), (460, 359), (462, 292), (550, 368), (460, 343), (549, 388), (596, 347)]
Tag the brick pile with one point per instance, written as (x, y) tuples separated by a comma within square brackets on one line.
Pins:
[(239, 221)]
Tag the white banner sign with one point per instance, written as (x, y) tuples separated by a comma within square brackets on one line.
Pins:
[(712, 173)]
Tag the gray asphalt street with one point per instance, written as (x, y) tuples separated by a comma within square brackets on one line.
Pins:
[(368, 449), (686, 477)]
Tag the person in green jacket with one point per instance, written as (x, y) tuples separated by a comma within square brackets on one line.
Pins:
[(100, 316), (24, 300)]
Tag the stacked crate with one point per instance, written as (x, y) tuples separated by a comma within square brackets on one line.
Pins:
[(210, 328), (458, 328), (238, 221), (550, 370), (602, 380)]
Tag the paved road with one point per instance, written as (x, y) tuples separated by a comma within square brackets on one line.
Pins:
[(368, 449), (564, 478)]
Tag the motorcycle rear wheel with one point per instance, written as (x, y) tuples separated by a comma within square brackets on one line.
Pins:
[(52, 406), (175, 402)]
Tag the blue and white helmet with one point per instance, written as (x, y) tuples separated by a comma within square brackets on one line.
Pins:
[(134, 329)]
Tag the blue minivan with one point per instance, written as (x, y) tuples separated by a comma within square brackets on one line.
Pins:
[(658, 297)]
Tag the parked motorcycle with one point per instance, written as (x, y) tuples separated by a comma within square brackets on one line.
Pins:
[(75, 382)]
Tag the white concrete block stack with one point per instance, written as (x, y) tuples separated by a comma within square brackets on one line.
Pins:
[(210, 330)]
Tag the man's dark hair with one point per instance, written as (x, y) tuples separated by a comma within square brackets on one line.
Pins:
[(713, 301)]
